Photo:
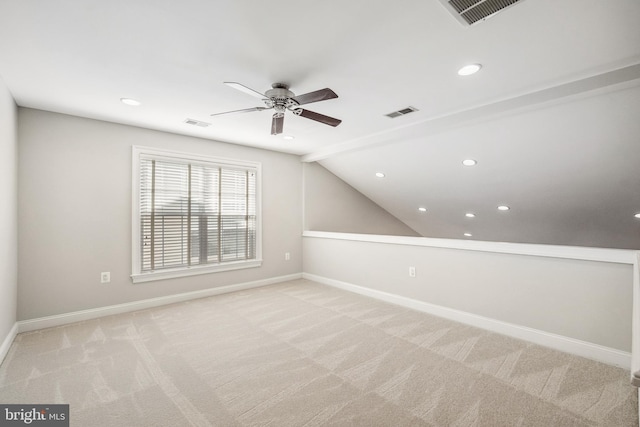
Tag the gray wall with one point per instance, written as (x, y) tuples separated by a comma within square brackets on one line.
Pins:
[(75, 221), (75, 213), (8, 211), (330, 204), (585, 300)]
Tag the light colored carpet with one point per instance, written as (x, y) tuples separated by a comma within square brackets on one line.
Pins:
[(303, 354)]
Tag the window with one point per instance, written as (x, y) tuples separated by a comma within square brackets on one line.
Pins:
[(193, 214)]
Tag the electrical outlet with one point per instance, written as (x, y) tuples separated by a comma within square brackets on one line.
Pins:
[(287, 256), (105, 277), (412, 272)]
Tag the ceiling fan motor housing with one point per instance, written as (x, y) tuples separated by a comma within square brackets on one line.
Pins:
[(280, 98), (279, 91)]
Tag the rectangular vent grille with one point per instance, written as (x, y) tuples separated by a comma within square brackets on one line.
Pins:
[(197, 123), (473, 11), (402, 112)]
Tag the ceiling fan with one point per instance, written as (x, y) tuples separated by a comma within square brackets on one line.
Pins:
[(280, 99)]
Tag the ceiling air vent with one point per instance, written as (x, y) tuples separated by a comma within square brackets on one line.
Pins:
[(401, 112), (469, 12), (197, 123)]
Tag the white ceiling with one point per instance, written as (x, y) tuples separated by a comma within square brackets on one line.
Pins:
[(552, 118)]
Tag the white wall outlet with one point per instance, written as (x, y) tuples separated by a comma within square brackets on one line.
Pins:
[(287, 256), (105, 277), (412, 272)]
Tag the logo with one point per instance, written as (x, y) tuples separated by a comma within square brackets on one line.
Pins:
[(34, 415)]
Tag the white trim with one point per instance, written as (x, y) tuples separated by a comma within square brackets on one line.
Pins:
[(78, 316), (169, 154), (585, 349), (8, 340), (619, 256), (194, 271)]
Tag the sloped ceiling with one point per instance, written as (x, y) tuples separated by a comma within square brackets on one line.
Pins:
[(552, 117)]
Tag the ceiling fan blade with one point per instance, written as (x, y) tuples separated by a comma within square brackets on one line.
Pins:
[(244, 110), (277, 123), (318, 95), (317, 117), (247, 90)]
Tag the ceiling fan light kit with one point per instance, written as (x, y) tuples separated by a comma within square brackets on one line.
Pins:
[(280, 99)]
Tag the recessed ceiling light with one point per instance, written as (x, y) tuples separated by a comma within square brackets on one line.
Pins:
[(637, 215), (470, 215), (421, 209), (467, 70), (130, 101), (289, 137), (469, 162), (380, 175), (468, 234), (503, 208)]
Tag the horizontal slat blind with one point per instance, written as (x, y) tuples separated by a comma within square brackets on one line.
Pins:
[(194, 214)]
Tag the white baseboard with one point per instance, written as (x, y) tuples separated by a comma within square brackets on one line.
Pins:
[(558, 342), (8, 340), (78, 316)]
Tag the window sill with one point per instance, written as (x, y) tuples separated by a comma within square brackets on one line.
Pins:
[(193, 271)]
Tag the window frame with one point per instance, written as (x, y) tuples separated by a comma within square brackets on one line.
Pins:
[(137, 275)]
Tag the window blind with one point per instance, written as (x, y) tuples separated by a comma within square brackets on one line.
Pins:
[(193, 214)]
